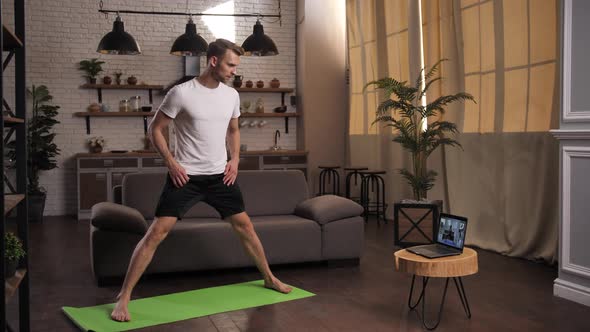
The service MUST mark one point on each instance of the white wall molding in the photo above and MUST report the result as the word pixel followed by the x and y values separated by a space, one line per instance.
pixel 569 115
pixel 563 134
pixel 571 291
pixel 569 152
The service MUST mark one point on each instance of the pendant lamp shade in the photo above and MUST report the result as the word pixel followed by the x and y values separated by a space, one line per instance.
pixel 258 43
pixel 118 41
pixel 190 43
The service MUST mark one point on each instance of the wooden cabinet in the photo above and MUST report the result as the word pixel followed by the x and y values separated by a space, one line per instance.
pixel 92 189
pixel 99 173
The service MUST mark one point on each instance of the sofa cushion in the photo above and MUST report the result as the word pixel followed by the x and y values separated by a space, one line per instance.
pixel 118 218
pixel 142 191
pixel 275 192
pixel 327 208
pixel 289 239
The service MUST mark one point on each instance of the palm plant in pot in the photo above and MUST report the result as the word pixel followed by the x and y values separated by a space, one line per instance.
pixel 403 111
pixel 410 134
pixel 41 148
pixel 92 68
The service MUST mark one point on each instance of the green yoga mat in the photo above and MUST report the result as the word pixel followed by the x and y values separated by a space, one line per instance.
pixel 180 306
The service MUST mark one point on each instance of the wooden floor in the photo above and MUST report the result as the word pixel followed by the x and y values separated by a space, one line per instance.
pixel 506 295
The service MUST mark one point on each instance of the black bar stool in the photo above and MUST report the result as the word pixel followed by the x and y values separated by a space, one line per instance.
pixel 373 194
pixel 329 174
pixel 353 173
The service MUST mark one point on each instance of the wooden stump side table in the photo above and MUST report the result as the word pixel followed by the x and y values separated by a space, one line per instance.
pixel 449 267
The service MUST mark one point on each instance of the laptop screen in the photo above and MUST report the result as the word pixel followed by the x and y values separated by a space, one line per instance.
pixel 451 231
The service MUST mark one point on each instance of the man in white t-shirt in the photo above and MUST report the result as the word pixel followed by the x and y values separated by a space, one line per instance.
pixel 205 112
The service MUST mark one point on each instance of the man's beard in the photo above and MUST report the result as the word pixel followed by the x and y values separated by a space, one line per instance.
pixel 219 78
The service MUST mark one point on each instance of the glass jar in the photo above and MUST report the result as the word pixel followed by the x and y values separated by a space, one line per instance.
pixel 124 105
pixel 134 103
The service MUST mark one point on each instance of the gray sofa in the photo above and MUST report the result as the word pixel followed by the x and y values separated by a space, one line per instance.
pixel 292 226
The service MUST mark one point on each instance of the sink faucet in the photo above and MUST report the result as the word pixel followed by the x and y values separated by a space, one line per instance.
pixel 277 137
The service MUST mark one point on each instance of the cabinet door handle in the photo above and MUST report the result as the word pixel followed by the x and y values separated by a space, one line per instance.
pixel 108 163
pixel 159 162
pixel 285 158
pixel 100 177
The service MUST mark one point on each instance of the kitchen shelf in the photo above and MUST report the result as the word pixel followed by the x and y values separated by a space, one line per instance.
pixel 285 115
pixel 282 91
pixel 100 87
pixel 11 201
pixel 88 115
pixel 11 41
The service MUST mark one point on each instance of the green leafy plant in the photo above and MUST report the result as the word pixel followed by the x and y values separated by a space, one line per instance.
pixel 420 143
pixel 13 247
pixel 41 149
pixel 92 68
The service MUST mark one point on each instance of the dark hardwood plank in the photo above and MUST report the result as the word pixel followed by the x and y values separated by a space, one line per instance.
pixel 507 294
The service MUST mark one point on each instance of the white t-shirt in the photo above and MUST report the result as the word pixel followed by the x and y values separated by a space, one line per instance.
pixel 201 118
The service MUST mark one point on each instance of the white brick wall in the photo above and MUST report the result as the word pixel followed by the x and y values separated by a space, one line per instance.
pixel 60 33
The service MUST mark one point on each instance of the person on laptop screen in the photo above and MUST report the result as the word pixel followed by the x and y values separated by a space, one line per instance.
pixel 451 232
pixel 450 238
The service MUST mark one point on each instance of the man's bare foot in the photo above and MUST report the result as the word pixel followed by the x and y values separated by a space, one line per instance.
pixel 120 312
pixel 277 285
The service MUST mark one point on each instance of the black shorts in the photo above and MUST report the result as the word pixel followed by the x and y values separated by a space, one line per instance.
pixel 175 202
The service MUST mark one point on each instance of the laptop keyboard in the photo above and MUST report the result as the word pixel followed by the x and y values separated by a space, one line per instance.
pixel 436 250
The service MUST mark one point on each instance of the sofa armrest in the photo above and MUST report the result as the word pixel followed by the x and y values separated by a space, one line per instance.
pixel 328 208
pixel 117 217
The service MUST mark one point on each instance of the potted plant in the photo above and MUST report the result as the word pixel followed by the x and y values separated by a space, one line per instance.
pixel 96 144
pixel 403 100
pixel 41 148
pixel 92 68
pixel 13 252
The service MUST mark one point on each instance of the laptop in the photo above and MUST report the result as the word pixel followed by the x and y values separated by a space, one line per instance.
pixel 450 238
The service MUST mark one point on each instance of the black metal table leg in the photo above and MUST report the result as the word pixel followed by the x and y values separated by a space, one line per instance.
pixel 462 296
pixel 422 298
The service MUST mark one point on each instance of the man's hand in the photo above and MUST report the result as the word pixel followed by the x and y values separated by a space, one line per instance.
pixel 231 172
pixel 177 174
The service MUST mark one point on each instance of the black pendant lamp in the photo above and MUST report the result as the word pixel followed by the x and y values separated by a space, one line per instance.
pixel 190 43
pixel 118 41
pixel 258 43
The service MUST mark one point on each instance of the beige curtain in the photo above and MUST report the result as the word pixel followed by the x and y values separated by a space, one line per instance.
pixel 505 53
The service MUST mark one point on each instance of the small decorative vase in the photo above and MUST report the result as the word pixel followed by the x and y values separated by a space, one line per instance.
pixel 275 83
pixel 249 84
pixel 260 84
pixel 107 80
pixel 92 80
pixel 237 81
pixel 96 149
pixel 132 80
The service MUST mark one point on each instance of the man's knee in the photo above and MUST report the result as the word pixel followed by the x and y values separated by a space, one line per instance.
pixel 159 230
pixel 241 222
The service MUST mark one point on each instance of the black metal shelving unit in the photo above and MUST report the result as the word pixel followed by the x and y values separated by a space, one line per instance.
pixel 13 49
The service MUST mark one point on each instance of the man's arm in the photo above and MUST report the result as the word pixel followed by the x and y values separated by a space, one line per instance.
pixel 156 128
pixel 233 140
